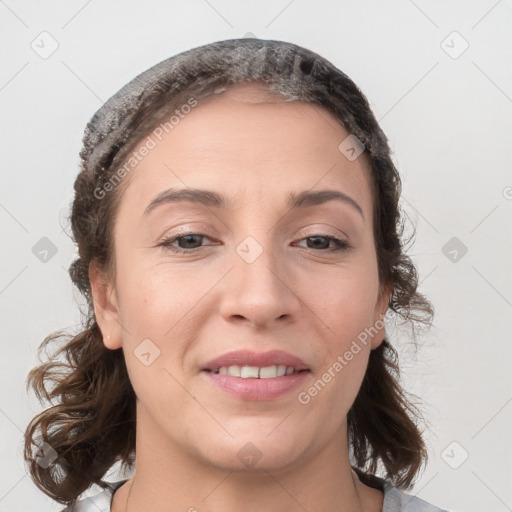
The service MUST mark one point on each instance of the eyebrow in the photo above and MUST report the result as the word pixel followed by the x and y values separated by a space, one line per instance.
pixel 213 199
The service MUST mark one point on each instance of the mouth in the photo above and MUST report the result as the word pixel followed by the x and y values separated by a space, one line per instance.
pixel 255 372
pixel 249 364
pixel 256 376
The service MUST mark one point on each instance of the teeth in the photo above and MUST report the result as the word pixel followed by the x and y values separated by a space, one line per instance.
pixel 234 371
pixel 268 372
pixel 249 372
pixel 254 372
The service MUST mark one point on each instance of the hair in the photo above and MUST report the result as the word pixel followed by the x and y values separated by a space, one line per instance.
pixel 93 422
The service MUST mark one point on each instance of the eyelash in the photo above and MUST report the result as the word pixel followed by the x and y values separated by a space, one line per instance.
pixel 166 243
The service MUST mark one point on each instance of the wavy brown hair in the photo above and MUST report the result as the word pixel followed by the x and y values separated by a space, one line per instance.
pixel 91 421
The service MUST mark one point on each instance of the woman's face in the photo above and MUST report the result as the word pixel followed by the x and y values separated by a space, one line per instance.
pixel 257 275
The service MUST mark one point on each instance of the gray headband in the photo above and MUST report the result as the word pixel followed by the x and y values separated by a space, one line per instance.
pixel 290 71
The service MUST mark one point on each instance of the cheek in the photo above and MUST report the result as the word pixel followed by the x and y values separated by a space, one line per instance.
pixel 158 332
pixel 156 297
pixel 346 309
pixel 161 318
pixel 345 303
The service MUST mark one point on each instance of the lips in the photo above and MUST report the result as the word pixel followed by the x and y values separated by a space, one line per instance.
pixel 256 359
pixel 249 375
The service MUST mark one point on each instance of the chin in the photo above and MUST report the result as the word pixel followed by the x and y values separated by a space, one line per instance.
pixel 254 451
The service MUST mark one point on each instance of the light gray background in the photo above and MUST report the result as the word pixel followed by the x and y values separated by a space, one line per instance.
pixel 449 124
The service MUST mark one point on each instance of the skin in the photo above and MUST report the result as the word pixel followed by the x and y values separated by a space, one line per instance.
pixel 311 302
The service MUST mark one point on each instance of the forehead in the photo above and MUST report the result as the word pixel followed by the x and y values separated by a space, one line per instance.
pixel 247 138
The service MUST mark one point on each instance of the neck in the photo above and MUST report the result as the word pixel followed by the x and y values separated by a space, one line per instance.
pixel 170 479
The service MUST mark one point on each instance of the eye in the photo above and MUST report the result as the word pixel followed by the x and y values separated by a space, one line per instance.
pixel 322 242
pixel 187 242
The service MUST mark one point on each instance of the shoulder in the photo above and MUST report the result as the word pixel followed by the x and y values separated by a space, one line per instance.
pixel 396 500
pixel 100 502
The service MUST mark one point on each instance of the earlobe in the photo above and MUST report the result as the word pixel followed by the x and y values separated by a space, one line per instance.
pixel 105 307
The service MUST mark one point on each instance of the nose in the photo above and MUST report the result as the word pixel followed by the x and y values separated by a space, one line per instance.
pixel 259 293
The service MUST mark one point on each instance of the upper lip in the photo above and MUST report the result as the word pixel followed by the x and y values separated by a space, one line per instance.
pixel 259 359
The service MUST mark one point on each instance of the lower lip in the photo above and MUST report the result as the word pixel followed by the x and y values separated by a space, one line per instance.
pixel 257 389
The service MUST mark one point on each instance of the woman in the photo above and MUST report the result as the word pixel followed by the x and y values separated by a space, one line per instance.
pixel 238 235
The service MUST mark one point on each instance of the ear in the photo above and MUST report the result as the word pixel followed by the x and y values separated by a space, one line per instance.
pixel 105 306
pixel 381 307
